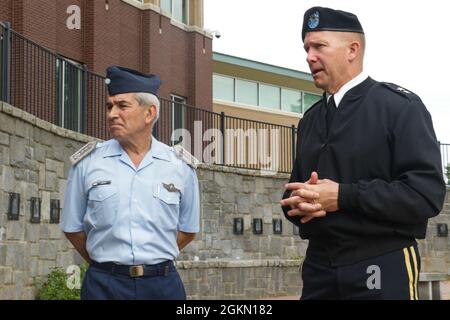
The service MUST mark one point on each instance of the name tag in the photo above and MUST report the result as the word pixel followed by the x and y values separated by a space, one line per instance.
pixel 100 183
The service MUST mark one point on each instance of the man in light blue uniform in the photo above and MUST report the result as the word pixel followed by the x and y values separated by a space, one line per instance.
pixel 131 203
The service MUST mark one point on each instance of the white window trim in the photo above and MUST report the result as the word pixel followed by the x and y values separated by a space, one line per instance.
pixel 258 107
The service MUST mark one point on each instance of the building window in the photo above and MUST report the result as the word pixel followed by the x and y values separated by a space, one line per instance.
pixel 68 75
pixel 309 99
pixel 247 92
pixel 269 96
pixel 262 94
pixel 166 6
pixel 291 100
pixel 179 9
pixel 223 88
pixel 178 113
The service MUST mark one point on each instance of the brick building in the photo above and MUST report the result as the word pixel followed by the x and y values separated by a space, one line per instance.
pixel 164 37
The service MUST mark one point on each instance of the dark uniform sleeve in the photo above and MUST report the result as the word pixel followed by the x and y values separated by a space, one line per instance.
pixel 295 177
pixel 417 189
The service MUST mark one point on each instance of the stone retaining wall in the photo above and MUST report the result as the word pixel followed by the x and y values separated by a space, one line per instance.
pixel 34 163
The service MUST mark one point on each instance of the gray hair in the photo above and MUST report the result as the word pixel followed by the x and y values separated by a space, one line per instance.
pixel 147 99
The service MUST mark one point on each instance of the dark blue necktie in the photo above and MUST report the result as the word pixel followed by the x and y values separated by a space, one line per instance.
pixel 331 110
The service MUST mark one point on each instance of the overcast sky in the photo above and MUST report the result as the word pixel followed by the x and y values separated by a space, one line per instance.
pixel 407 41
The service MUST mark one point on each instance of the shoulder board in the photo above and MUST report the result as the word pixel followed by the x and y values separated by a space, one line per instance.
pixel 83 152
pixel 184 155
pixel 312 107
pixel 401 91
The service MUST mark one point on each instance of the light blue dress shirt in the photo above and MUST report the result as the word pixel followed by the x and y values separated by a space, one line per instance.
pixel 131 215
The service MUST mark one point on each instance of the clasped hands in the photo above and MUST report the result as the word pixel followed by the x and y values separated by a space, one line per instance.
pixel 312 199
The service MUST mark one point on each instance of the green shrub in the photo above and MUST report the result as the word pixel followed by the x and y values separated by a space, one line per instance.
pixel 55 288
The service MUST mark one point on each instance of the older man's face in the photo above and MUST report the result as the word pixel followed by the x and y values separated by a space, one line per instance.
pixel 126 118
pixel 327 59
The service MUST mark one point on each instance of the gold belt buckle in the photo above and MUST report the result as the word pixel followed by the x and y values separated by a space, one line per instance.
pixel 136 271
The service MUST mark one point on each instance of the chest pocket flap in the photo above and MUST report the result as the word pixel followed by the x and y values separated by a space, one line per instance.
pixel 169 197
pixel 102 193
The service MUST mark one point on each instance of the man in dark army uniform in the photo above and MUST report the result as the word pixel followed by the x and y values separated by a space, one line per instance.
pixel 367 175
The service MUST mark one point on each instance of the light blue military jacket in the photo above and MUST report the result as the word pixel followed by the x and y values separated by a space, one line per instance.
pixel 131 216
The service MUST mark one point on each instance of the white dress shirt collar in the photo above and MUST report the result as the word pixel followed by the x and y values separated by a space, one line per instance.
pixel 346 87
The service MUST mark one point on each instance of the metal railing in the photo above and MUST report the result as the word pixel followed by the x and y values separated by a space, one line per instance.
pixel 65 93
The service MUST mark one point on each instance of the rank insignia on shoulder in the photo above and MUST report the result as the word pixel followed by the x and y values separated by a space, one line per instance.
pixel 83 152
pixel 403 90
pixel 184 155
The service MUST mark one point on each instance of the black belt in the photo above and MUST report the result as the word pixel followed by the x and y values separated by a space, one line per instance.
pixel 142 270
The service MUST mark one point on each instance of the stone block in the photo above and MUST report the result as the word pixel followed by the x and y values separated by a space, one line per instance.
pixel 45 206
pixel 20 174
pixel 55 232
pixel 32 176
pixel 22 129
pixel 440 244
pixel 47 139
pixel 259 186
pixel 15 230
pixel 211 197
pixel 7 293
pixel 220 178
pixel 29 118
pixel 247 223
pixel 228 196
pixel 29 189
pixel 44 232
pixel 4 138
pixel 17 256
pixel 227 208
pixel 41 172
pixel 31 164
pixel 61 190
pixel 275 246
pixel 8 123
pixel 39 153
pixel 34 249
pixel 51 181
pixel 430 264
pixel 20 281
pixel 64 259
pixel 6 276
pixel 47 250
pixel 51 165
pixel 28 293
pixel 8 180
pixel 46 266
pixel 210 226
pixel 3 253
pixel 29 152
pixel 17 154
pixel 4 156
pixel 60 169
pixel 32 232
pixel 34 267
pixel 243 204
